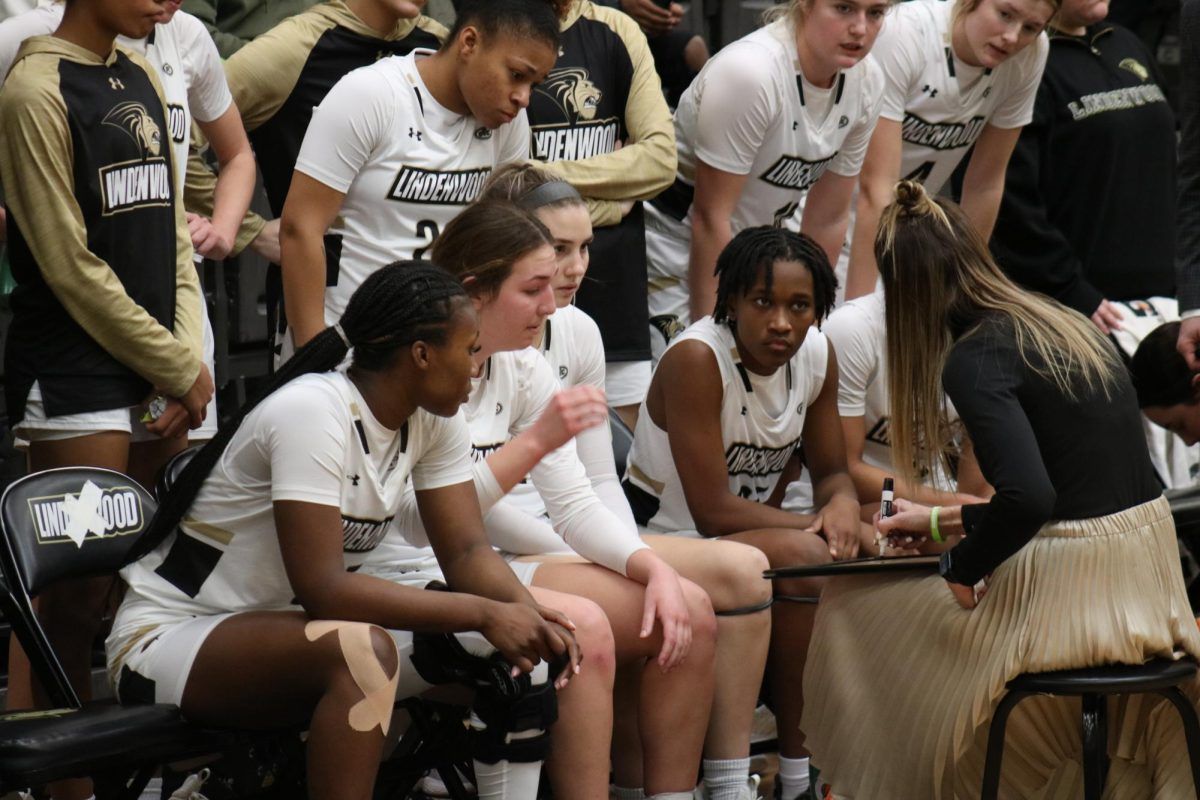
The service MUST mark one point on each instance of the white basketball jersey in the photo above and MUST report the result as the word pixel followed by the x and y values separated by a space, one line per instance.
pixel 762 419
pixel 941 102
pixel 751 112
pixel 316 441
pixel 182 53
pixel 571 345
pixel 857 332
pixel 406 164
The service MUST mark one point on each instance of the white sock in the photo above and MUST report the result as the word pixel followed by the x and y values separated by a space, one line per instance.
pixel 793 775
pixel 725 778
pixel 507 780
pixel 625 793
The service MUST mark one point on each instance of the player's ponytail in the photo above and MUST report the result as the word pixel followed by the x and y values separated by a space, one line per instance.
pixel 521 19
pixel 402 303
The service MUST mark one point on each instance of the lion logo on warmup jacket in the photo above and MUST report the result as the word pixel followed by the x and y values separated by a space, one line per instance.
pixel 573 91
pixel 137 123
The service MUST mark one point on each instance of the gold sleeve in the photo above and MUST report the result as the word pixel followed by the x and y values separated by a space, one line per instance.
pixel 199 188
pixel 646 164
pixel 36 169
pixel 263 74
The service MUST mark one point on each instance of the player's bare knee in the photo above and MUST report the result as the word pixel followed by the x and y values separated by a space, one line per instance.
pixel 742 584
pixel 797 547
pixel 594 634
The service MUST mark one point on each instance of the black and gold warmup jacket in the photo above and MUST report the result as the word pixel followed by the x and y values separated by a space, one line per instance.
pixel 602 123
pixel 107 303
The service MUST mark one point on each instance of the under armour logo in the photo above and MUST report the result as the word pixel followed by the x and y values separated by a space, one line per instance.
pixel 795 126
pixel 499 408
pixel 987 91
pixel 844 121
pixel 414 134
pixel 743 411
pixel 929 90
pixel 353 479
pixel 116 84
pixel 167 68
pixel 562 373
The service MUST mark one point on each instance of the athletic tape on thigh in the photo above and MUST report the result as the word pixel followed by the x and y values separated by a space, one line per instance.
pixel 379 691
pixel 744 610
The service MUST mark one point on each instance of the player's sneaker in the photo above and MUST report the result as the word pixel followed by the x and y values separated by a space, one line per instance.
pixel 432 785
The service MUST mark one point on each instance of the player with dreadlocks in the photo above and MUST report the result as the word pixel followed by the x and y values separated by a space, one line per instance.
pixel 230 614
pixel 719 435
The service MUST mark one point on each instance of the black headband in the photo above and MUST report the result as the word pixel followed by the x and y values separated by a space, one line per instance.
pixel 547 193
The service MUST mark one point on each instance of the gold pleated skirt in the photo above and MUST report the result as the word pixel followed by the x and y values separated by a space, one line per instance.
pixel 901 682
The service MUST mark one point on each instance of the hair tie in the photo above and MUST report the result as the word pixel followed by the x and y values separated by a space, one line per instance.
pixel 552 192
pixel 337 327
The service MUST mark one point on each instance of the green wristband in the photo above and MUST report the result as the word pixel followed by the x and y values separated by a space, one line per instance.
pixel 934 532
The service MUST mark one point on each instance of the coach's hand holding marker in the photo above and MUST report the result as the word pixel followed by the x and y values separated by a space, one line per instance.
pixel 886 509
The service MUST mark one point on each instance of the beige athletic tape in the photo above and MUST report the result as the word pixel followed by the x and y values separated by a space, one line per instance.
pixel 379 691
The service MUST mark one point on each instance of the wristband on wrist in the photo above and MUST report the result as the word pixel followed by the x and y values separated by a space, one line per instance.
pixel 934 532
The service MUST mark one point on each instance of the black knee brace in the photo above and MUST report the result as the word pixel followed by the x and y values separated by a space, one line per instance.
pixel 510 728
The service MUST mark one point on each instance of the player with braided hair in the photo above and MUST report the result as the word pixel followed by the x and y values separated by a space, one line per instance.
pixel 718 440
pixel 244 612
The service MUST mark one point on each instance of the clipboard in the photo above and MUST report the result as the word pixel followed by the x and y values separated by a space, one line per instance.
pixel 880 565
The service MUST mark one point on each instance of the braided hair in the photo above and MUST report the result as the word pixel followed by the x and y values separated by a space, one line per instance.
pixel 754 251
pixel 521 19
pixel 404 302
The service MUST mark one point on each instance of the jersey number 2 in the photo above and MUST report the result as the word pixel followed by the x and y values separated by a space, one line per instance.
pixel 427 229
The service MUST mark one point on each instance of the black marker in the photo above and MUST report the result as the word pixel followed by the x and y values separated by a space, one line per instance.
pixel 886 509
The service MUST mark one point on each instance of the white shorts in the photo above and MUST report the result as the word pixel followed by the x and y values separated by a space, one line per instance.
pixel 668 243
pixel 421 572
pixel 156 667
pixel 626 382
pixel 37 427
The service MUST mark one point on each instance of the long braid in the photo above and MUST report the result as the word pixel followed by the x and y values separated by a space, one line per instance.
pixel 755 250
pixel 395 306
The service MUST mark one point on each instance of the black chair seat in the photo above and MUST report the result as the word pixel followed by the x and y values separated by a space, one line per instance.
pixel 1116 679
pixel 38 746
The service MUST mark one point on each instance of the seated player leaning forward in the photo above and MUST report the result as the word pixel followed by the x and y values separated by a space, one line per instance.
pixel 731 573
pixel 1168 392
pixel 719 436
pixel 244 613
pixel 1078 542
pixel 660 622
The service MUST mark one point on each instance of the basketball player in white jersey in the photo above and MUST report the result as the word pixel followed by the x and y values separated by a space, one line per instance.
pixel 957 74
pixel 730 573
pixel 660 622
pixel 244 612
pixel 188 67
pixel 779 116
pixel 718 439
pixel 856 331
pixel 398 148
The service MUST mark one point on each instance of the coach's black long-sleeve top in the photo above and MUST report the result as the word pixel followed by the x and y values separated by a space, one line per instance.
pixel 1188 253
pixel 1048 457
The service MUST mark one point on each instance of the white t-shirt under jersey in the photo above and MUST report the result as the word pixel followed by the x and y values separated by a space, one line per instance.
pixel 315 441
pixel 406 164
pixel 942 103
pixel 573 347
pixel 762 419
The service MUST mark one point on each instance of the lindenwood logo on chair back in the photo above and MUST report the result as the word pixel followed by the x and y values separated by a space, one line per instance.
pixel 93 513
